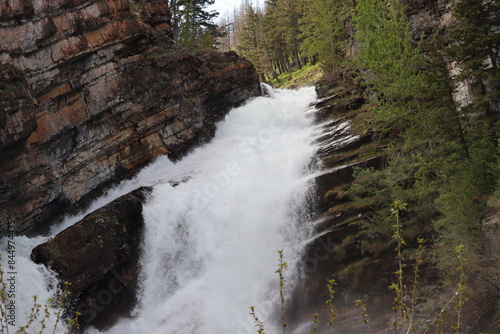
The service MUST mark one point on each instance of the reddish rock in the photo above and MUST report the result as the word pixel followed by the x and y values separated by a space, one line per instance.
pixel 105 91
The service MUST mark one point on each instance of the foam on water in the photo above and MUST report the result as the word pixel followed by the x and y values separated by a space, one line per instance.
pixel 210 243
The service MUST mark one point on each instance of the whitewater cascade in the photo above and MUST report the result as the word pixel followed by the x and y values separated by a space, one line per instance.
pixel 210 242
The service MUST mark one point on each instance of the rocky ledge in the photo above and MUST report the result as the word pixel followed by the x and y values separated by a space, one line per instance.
pixel 364 262
pixel 92 90
pixel 361 265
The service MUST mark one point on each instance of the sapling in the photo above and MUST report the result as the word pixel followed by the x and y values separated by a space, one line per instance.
pixel 282 265
pixel 315 323
pixel 416 266
pixel 460 286
pixel 259 324
pixel 398 286
pixel 35 312
pixel 58 304
pixel 61 304
pixel 329 302
pixel 401 309
pixel 363 313
pixel 458 296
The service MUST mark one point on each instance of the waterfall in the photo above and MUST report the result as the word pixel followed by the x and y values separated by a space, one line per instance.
pixel 210 244
pixel 266 90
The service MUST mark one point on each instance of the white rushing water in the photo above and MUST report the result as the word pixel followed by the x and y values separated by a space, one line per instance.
pixel 210 243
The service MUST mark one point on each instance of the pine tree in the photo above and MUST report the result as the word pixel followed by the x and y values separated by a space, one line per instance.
pixel 195 25
pixel 384 35
pixel 474 43
pixel 274 37
pixel 250 35
pixel 475 39
pixel 444 157
pixel 290 14
pixel 323 31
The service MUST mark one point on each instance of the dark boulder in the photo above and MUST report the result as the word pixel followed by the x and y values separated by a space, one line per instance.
pixel 99 256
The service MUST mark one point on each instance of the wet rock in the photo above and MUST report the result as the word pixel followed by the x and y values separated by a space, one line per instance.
pixel 99 256
pixel 360 263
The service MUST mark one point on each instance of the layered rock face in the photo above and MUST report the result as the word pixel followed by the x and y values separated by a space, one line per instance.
pixel 95 89
pixel 363 263
pixel 362 266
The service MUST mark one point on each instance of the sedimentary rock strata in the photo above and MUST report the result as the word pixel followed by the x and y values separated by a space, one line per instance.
pixel 95 89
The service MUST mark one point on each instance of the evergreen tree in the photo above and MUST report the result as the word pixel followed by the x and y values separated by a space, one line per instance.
pixel 195 27
pixel 275 38
pixel 323 31
pixel 475 39
pixel 386 50
pixel 473 46
pixel 474 43
pixel 290 13
pixel 443 158
pixel 251 37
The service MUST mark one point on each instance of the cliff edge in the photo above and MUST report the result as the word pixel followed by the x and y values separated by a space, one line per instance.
pixel 91 91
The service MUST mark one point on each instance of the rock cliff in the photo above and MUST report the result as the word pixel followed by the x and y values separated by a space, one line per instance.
pixel 91 91
pixel 361 265
pixel 362 262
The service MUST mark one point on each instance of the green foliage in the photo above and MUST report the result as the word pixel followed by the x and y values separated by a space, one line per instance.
pixel 134 7
pixel 273 37
pixel 282 266
pixel 288 34
pixel 323 31
pixel 53 250
pixel 405 301
pixel 315 323
pixel 442 159
pixel 329 303
pixel 377 190
pixel 194 26
pixel 474 38
pixel 53 308
pixel 16 80
pixel 308 75
pixel 363 313
pixel 455 302
pixel 393 63
pixel 14 87
pixel 404 312
pixel 461 286
pixel 259 324
pixel 399 287
pixel 253 41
